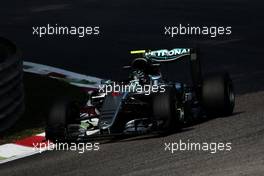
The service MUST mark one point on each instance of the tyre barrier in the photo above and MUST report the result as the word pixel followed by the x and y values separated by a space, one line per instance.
pixel 11 84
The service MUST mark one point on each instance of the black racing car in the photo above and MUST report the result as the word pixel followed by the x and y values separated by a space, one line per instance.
pixel 145 102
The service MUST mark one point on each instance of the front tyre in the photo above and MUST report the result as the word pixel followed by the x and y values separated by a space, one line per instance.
pixel 164 110
pixel 218 97
pixel 61 114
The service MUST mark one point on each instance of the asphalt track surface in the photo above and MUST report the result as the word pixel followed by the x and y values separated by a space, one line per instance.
pixel 136 25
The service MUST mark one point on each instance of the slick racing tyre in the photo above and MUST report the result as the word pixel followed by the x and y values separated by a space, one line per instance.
pixel 11 85
pixel 164 110
pixel 62 113
pixel 218 96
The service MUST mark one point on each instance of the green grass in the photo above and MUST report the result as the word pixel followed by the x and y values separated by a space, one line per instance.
pixel 1 158
pixel 40 93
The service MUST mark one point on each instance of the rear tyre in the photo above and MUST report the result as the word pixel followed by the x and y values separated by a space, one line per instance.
pixel 218 96
pixel 62 113
pixel 164 110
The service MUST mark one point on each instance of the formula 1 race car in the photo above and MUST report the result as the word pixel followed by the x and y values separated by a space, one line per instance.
pixel 145 102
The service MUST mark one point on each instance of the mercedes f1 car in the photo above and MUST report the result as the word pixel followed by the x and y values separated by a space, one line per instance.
pixel 132 109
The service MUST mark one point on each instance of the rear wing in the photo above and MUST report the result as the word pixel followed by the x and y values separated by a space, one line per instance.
pixel 164 55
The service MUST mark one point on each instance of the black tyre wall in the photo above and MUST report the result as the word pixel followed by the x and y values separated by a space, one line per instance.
pixel 11 84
